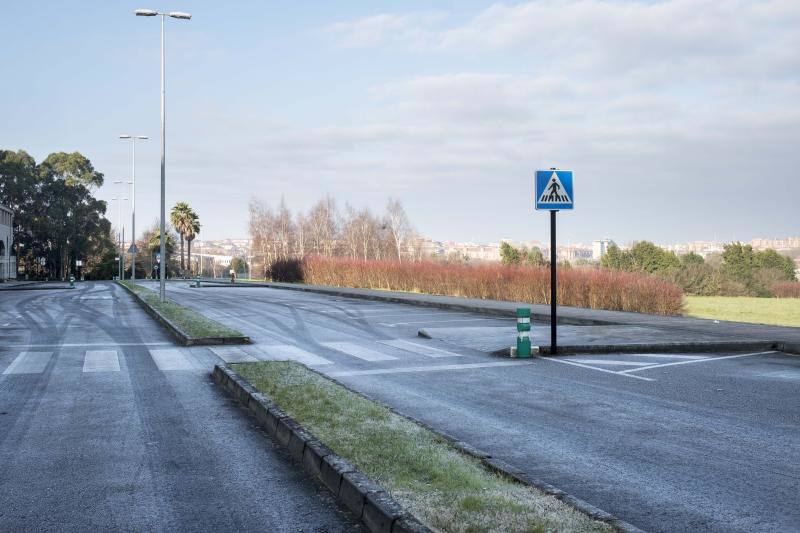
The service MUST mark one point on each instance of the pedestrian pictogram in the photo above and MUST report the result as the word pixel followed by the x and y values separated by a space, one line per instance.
pixel 554 189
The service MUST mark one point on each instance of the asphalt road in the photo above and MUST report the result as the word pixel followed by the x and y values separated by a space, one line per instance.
pixel 667 442
pixel 106 424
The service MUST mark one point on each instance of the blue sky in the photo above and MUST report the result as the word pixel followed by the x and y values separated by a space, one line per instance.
pixel 680 118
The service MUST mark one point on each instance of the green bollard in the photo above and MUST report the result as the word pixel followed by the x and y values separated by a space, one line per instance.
pixel 197 281
pixel 523 332
pixel 71 281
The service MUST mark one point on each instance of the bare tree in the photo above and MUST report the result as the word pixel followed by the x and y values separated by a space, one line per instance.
pixel 323 227
pixel 301 230
pixel 283 231
pixel 398 225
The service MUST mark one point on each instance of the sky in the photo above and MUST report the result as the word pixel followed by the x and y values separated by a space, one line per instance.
pixel 679 118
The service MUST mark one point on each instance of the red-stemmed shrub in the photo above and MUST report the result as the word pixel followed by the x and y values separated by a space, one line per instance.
pixel 787 289
pixel 589 287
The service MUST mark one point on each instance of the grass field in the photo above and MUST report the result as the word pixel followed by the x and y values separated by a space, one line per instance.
pixel 775 311
pixel 423 472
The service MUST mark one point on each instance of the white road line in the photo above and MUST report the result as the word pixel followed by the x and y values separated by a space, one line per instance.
pixel 610 362
pixel 429 368
pixel 564 361
pixel 170 360
pixel 90 344
pixel 358 351
pixel 101 361
pixel 695 361
pixel 287 351
pixel 434 321
pixel 419 348
pixel 29 363
pixel 669 356
pixel 233 354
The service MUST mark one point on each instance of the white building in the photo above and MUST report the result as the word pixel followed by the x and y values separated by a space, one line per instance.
pixel 600 247
pixel 8 263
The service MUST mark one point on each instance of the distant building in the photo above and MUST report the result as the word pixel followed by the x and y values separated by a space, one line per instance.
pixel 600 247
pixel 8 263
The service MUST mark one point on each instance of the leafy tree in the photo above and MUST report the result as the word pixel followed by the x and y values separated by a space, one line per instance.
pixel 509 255
pixel 651 259
pixel 770 259
pixel 692 259
pixel 617 259
pixel 239 265
pixel 738 261
pixel 534 257
pixel 192 229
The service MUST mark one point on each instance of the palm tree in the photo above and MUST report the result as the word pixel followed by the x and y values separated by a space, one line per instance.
pixel 180 217
pixel 192 229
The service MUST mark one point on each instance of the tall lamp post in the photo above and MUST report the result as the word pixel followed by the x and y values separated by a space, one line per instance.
pixel 133 139
pixel 162 269
pixel 120 236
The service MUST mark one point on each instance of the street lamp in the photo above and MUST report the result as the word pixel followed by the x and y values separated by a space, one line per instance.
pixel 162 271
pixel 120 236
pixel 122 255
pixel 133 139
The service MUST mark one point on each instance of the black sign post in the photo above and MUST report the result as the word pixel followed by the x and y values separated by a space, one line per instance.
pixel 553 286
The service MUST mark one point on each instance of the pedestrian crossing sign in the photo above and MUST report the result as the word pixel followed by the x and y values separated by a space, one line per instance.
pixel 554 190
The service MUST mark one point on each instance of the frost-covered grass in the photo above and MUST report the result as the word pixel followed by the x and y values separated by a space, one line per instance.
pixel 442 487
pixel 192 323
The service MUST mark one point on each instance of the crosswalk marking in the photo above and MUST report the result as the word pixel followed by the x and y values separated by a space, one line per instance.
pixel 29 363
pixel 233 354
pixel 170 360
pixel 419 348
pixel 287 351
pixel 101 361
pixel 358 351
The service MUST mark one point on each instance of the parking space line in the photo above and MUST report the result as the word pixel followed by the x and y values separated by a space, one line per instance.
pixel 358 351
pixel 429 368
pixel 610 362
pixel 573 363
pixel 101 361
pixel 414 347
pixel 705 359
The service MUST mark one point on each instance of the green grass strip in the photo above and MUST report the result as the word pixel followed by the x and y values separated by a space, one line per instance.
pixel 192 323
pixel 774 311
pixel 441 486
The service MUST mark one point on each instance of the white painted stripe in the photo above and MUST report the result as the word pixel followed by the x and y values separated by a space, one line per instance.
pixel 233 354
pixel 573 363
pixel 90 344
pixel 429 368
pixel 696 361
pixel 524 320
pixel 668 356
pixel 610 362
pixel 101 361
pixel 282 352
pixel 29 363
pixel 358 351
pixel 170 360
pixel 419 348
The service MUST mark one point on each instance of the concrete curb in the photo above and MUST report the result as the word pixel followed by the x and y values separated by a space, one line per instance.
pixel 336 474
pixel 28 287
pixel 666 347
pixel 348 292
pixel 379 512
pixel 177 332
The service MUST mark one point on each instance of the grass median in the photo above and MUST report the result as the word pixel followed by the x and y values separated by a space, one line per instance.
pixel 774 311
pixel 423 472
pixel 192 323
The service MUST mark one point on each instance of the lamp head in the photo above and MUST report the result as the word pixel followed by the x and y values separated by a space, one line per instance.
pixel 145 13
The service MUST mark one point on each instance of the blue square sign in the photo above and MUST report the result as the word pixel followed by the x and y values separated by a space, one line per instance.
pixel 554 190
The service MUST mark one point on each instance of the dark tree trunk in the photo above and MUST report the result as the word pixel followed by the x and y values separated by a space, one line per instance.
pixel 183 266
pixel 189 254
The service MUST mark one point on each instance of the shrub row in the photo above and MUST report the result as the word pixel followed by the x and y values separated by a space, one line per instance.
pixel 787 289
pixel 593 288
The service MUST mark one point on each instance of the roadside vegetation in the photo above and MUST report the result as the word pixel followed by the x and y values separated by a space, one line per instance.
pixel 192 323
pixel 424 473
pixel 773 311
